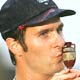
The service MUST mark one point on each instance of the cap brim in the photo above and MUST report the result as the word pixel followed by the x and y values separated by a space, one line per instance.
pixel 51 13
pixel 44 16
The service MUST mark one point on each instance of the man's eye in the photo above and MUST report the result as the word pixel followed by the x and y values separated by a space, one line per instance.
pixel 44 33
pixel 59 30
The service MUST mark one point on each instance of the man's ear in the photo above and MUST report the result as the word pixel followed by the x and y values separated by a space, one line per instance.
pixel 14 46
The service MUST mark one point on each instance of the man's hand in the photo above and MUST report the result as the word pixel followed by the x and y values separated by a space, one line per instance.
pixel 67 74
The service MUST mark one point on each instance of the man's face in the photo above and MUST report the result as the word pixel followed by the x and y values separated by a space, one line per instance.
pixel 45 44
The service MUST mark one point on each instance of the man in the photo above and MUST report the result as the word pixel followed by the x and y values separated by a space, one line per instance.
pixel 32 30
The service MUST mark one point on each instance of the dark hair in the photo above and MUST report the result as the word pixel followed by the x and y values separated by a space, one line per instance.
pixel 17 35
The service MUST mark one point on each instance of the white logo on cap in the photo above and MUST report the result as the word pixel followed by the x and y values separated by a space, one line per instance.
pixel 43 1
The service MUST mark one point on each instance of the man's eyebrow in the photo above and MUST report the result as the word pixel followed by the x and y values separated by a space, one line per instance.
pixel 44 30
pixel 60 27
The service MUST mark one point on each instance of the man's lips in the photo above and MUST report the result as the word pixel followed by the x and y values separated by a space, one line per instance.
pixel 58 58
pixel 59 54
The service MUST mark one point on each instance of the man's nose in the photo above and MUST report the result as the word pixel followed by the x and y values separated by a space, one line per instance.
pixel 59 40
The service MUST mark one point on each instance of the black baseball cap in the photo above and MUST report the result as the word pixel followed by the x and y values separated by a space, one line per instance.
pixel 18 12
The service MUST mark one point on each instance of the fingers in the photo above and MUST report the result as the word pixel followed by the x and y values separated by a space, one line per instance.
pixel 72 70
pixel 62 76
pixel 63 72
pixel 77 78
pixel 68 74
pixel 75 71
